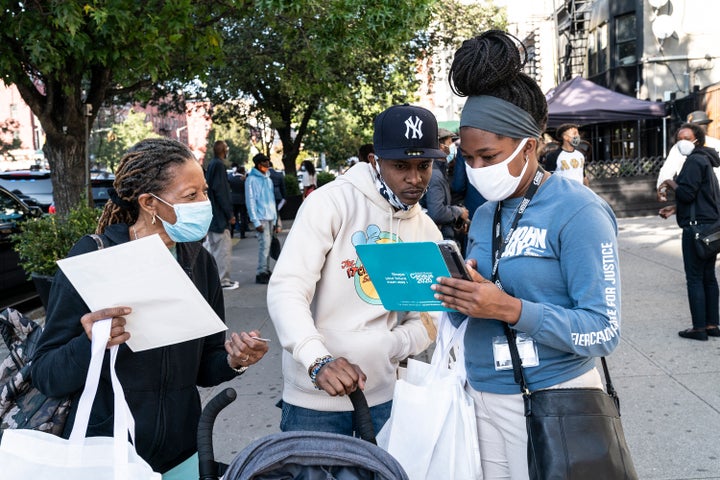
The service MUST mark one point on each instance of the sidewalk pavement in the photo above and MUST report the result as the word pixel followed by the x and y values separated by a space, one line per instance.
pixel 669 387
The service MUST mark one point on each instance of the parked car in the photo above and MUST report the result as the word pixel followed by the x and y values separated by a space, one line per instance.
pixel 30 184
pixel 35 187
pixel 14 284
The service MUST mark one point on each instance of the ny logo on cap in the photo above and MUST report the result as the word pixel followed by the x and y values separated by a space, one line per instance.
pixel 414 126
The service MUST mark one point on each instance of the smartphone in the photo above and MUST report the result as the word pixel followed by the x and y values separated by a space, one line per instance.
pixel 453 259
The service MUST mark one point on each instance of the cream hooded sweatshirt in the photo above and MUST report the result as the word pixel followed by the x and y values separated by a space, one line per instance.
pixel 322 302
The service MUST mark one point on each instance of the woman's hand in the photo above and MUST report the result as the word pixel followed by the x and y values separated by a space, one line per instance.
pixel 479 298
pixel 118 334
pixel 244 349
pixel 340 377
pixel 666 212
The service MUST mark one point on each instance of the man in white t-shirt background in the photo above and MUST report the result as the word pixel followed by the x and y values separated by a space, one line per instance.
pixel 675 160
pixel 567 161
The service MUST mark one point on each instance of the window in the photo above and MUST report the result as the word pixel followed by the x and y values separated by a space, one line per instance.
pixel 625 39
pixel 598 50
pixel 602 48
pixel 623 142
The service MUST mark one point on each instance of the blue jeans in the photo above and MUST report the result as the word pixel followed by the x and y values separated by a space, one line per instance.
pixel 702 284
pixel 299 418
pixel 264 238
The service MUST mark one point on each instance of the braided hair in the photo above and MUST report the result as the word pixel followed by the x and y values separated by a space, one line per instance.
pixel 147 167
pixel 491 64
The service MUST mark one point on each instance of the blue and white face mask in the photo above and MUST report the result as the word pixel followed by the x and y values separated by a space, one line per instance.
pixel 192 220
pixel 453 153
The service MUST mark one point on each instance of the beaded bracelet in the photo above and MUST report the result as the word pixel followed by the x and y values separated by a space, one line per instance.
pixel 316 366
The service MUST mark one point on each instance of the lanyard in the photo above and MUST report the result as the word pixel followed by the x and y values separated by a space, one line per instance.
pixel 499 243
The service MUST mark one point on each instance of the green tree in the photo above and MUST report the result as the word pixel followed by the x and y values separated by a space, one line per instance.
pixel 338 129
pixel 338 133
pixel 113 143
pixel 68 57
pixel 289 58
pixel 454 21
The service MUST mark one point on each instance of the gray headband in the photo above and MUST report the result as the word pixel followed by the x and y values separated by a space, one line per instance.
pixel 495 115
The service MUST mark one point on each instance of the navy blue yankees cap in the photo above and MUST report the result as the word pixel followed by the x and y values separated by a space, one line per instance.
pixel 403 132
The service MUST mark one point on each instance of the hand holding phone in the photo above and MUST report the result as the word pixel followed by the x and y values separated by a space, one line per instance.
pixel 454 260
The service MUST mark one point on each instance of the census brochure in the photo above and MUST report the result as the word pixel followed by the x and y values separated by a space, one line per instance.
pixel 167 308
pixel 402 274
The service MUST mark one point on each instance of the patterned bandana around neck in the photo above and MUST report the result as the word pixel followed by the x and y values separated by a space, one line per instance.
pixel 386 192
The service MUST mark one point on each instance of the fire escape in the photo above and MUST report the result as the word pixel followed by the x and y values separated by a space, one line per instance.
pixel 572 18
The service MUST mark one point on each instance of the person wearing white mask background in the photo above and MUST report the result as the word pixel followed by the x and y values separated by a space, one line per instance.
pixel 675 159
pixel 567 161
pixel 696 188
pixel 555 283
pixel 438 198
pixel 159 189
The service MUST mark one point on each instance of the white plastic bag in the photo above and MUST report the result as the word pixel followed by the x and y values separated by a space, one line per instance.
pixel 432 429
pixel 34 454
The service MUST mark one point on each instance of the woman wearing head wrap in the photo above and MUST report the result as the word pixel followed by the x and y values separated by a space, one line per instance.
pixel 542 253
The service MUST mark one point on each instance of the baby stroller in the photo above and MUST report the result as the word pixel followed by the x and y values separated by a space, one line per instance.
pixel 300 455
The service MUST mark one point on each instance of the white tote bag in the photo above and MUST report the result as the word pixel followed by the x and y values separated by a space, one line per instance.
pixel 432 429
pixel 34 454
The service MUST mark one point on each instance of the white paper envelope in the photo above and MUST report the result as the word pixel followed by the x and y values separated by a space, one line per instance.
pixel 143 275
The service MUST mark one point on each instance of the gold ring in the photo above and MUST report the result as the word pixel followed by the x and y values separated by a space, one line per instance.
pixel 247 357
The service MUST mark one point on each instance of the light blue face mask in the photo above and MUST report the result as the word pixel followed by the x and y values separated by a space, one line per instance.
pixel 192 220
pixel 453 153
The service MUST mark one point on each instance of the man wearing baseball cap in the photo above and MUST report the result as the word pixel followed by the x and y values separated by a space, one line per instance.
pixel 336 335
pixel 675 160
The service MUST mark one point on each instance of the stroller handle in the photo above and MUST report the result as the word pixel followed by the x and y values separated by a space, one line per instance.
pixel 361 416
pixel 207 467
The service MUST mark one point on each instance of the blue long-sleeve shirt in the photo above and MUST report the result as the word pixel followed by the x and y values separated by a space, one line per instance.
pixel 260 197
pixel 562 262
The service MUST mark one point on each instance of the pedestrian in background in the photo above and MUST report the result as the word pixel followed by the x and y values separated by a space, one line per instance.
pixel 236 179
pixel 567 161
pixel 159 189
pixel 366 153
pixel 438 199
pixel 542 254
pixel 218 241
pixel 308 177
pixel 278 179
pixel 675 159
pixel 335 333
pixel 696 187
pixel 262 210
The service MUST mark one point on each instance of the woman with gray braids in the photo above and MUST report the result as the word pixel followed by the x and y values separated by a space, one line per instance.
pixel 542 253
pixel 159 189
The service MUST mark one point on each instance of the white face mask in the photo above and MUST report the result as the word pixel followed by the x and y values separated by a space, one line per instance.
pixel 495 182
pixel 685 147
